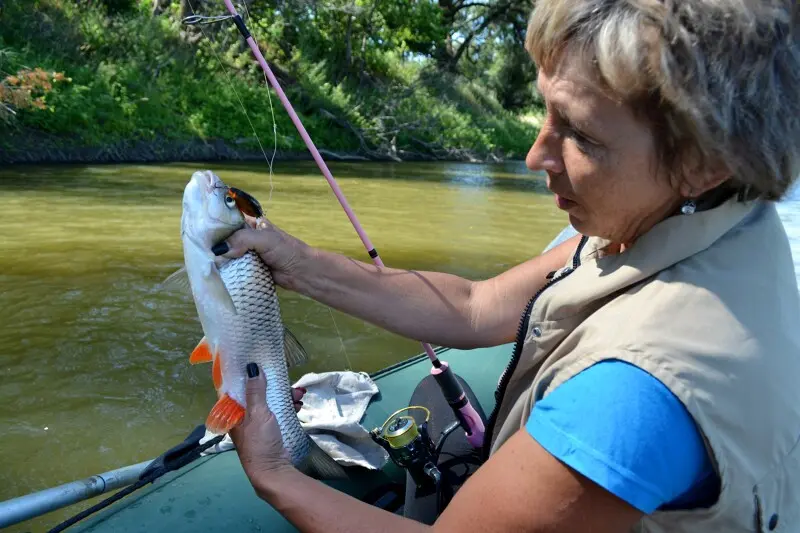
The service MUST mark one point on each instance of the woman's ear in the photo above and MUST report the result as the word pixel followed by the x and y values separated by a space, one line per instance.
pixel 698 181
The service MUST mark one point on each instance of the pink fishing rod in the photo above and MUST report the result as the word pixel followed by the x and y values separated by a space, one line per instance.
pixel 467 415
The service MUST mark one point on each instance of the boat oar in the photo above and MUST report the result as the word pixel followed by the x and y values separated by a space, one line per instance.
pixel 173 459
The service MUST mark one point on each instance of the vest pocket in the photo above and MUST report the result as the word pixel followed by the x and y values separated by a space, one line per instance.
pixel 777 497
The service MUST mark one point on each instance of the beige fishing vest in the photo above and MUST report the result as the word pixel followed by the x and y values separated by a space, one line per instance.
pixel 708 304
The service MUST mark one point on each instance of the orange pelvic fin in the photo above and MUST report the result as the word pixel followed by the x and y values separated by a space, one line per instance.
pixel 225 415
pixel 202 353
pixel 216 373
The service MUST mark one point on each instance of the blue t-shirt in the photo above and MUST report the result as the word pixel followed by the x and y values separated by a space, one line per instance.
pixel 623 429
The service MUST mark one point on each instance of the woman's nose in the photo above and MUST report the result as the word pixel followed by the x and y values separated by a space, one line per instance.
pixel 545 154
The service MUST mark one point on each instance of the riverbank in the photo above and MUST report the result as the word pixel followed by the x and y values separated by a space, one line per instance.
pixel 39 148
pixel 138 85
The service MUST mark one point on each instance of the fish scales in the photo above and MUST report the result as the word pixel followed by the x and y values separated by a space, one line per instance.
pixel 258 336
pixel 238 308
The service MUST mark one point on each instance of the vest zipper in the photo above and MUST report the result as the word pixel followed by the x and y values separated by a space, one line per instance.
pixel 520 341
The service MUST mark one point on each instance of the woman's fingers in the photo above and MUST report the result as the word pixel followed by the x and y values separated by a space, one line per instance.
pixel 256 386
pixel 251 221
pixel 298 393
pixel 237 244
pixel 297 397
pixel 258 438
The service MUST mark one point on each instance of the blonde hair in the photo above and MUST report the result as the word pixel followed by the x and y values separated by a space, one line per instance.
pixel 718 79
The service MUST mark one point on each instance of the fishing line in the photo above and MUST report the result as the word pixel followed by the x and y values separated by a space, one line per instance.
pixel 272 112
pixel 274 122
pixel 470 419
pixel 203 19
pixel 341 340
pixel 200 21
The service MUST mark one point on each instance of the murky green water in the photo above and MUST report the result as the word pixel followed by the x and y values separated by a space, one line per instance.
pixel 94 359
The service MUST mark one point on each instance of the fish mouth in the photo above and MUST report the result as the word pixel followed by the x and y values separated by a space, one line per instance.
pixel 245 202
pixel 207 180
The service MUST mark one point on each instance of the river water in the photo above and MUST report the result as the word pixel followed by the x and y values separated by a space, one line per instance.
pixel 94 356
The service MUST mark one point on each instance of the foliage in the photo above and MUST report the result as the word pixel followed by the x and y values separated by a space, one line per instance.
pixel 27 89
pixel 118 6
pixel 364 75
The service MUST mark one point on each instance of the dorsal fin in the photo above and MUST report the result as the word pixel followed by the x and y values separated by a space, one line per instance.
pixel 292 349
pixel 178 280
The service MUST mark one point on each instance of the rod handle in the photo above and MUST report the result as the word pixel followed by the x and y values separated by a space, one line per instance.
pixel 466 414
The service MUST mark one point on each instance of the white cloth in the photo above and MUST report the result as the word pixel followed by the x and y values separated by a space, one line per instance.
pixel 333 406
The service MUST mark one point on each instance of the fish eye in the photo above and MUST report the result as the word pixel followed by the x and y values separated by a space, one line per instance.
pixel 230 202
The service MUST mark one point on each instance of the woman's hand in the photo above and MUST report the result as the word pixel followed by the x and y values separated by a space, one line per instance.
pixel 279 250
pixel 258 438
pixel 297 398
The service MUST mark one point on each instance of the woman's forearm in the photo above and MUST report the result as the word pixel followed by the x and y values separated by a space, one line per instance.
pixel 427 306
pixel 312 506
pixel 433 307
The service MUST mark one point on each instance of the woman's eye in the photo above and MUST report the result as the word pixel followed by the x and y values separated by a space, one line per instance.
pixel 230 202
pixel 582 142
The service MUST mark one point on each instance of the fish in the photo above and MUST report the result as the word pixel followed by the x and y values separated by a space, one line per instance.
pixel 238 308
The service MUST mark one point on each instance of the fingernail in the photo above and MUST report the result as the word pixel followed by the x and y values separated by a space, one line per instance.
pixel 252 370
pixel 302 389
pixel 221 248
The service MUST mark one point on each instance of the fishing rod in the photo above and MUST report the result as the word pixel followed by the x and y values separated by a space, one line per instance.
pixel 453 392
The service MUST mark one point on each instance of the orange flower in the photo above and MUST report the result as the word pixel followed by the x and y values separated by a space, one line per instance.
pixel 12 80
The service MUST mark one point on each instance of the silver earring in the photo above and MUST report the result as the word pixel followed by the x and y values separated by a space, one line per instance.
pixel 688 207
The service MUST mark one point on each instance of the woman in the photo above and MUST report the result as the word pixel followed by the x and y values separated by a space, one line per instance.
pixel 654 383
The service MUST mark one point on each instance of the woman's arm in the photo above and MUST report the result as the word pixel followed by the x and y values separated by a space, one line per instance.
pixel 312 506
pixel 428 306
pixel 520 488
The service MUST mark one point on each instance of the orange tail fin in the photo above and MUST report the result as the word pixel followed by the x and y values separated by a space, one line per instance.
pixel 225 414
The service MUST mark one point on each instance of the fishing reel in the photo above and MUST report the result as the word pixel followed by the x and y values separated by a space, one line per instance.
pixel 409 445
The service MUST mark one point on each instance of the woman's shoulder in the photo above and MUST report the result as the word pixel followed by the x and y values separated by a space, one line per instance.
pixel 730 309
pixel 757 244
pixel 743 281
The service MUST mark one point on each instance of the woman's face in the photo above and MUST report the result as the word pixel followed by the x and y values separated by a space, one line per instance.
pixel 600 159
